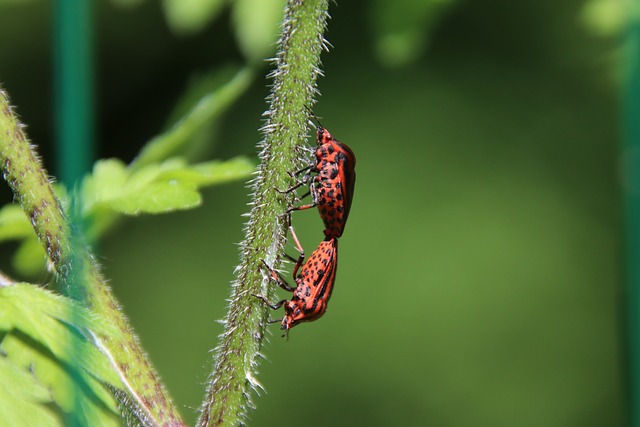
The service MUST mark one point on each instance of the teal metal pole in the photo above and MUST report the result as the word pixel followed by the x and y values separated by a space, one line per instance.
pixel 631 133
pixel 74 112
pixel 74 121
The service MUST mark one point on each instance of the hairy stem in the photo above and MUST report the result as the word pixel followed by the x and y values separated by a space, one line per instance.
pixel 79 274
pixel 228 395
pixel 30 185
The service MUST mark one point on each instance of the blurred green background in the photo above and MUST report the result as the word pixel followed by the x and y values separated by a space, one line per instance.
pixel 479 280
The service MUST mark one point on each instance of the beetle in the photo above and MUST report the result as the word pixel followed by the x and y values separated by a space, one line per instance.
pixel 314 284
pixel 332 187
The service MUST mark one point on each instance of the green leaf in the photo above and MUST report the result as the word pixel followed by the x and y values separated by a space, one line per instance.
pixel 169 186
pixel 190 16
pixel 58 323
pixel 14 224
pixel 24 401
pixel 158 197
pixel 53 338
pixel 81 397
pixel 153 189
pixel 606 18
pixel 256 24
pixel 104 184
pixel 114 189
pixel 30 257
pixel 220 172
pixel 201 115
pixel 199 87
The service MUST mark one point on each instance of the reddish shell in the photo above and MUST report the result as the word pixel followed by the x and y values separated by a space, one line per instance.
pixel 332 188
pixel 315 285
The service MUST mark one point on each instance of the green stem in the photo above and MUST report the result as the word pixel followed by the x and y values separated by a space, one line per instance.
pixel 145 395
pixel 208 109
pixel 30 185
pixel 300 45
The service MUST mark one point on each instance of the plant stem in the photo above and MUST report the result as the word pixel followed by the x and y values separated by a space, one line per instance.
pixel 80 276
pixel 208 109
pixel 228 395
pixel 30 185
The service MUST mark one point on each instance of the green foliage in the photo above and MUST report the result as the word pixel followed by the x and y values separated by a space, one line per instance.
pixel 159 188
pixel 294 88
pixel 402 28
pixel 45 382
pixel 156 182
pixel 255 21
pixel 113 190
pixel 488 173
pixel 256 26
pixel 189 16
pixel 24 400
pixel 30 257
pixel 76 365
pixel 198 110
pixel 14 223
pixel 606 18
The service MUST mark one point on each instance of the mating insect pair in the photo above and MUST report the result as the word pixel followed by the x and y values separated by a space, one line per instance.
pixel 331 190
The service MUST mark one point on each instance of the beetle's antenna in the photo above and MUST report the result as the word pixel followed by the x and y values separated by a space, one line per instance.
pixel 314 116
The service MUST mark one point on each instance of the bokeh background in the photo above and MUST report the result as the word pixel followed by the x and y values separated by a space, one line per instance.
pixel 479 280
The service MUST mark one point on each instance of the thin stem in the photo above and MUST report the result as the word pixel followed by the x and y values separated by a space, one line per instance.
pixel 300 45
pixel 80 276
pixel 30 185
pixel 207 110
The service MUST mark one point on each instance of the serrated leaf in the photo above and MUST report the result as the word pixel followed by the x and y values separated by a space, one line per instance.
pixel 46 334
pixel 144 191
pixel 158 197
pixel 29 355
pixel 158 188
pixel 190 16
pixel 58 323
pixel 14 224
pixel 105 183
pixel 158 172
pixel 74 393
pixel 23 400
pixel 218 172
pixel 256 26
